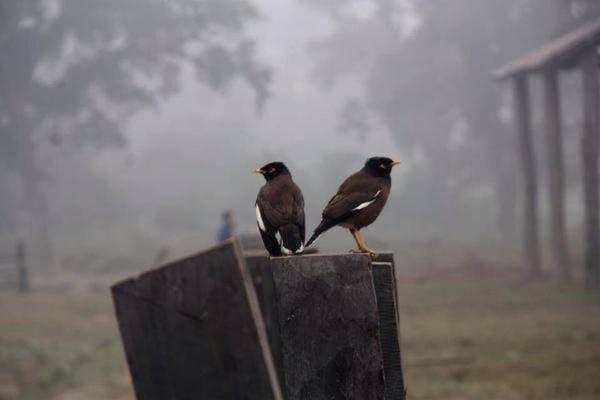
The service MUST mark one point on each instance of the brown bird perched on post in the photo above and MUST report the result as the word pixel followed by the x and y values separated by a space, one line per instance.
pixel 358 201
pixel 280 211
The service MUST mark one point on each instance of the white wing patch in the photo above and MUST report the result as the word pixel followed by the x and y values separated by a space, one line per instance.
pixel 288 252
pixel 367 203
pixel 261 224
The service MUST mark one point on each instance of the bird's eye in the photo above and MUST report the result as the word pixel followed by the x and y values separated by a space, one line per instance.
pixel 382 166
pixel 272 170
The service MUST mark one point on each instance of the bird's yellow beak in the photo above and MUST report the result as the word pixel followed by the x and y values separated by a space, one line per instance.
pixel 259 171
pixel 395 162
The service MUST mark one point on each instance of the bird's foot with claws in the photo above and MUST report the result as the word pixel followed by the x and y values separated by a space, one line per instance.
pixel 371 253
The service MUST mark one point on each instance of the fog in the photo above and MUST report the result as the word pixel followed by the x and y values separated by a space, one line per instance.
pixel 156 149
pixel 128 127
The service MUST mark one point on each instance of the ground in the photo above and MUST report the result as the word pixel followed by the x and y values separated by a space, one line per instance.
pixel 500 341
pixel 461 339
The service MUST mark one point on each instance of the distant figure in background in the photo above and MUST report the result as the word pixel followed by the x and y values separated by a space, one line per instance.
pixel 227 229
pixel 161 256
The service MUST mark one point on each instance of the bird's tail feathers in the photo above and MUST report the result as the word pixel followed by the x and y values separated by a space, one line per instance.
pixel 323 226
pixel 291 240
pixel 313 238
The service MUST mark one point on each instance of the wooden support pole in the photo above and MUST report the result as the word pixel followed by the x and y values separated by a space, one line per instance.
pixel 556 174
pixel 589 150
pixel 22 273
pixel 338 328
pixel 530 190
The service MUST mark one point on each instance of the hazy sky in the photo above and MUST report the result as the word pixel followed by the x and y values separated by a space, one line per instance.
pixel 190 156
pixel 198 134
pixel 300 120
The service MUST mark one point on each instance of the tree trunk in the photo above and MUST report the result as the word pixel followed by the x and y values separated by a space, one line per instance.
pixel 556 174
pixel 589 150
pixel 38 221
pixel 33 200
pixel 530 191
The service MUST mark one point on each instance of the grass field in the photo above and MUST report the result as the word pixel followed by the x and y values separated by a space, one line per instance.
pixel 465 339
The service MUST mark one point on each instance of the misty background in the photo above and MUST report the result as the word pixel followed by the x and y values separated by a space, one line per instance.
pixel 126 126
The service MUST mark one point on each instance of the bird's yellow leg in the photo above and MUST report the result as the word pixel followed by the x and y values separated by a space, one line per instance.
pixel 362 247
pixel 354 233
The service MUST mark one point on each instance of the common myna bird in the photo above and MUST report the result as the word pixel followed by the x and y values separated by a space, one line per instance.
pixel 280 211
pixel 358 201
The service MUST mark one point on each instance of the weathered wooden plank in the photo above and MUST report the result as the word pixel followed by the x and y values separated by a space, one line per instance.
pixel 139 323
pixel 388 257
pixel 262 277
pixel 561 51
pixel 193 330
pixel 385 290
pixel 329 327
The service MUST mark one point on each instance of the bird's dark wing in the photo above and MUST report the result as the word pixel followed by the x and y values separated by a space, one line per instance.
pixel 354 194
pixel 298 212
pixel 272 216
pixel 271 243
pixel 280 209
pixel 285 207
pixel 302 225
pixel 266 228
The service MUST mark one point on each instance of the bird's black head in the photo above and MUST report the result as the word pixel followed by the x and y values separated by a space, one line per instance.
pixel 380 166
pixel 272 170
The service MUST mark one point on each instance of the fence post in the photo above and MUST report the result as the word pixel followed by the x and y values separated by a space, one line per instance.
pixel 22 272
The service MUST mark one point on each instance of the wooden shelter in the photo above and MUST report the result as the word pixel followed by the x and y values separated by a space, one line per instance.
pixel 575 50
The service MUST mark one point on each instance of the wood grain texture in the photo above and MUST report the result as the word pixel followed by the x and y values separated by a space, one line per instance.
pixel 385 290
pixel 329 327
pixel 192 330
pixel 259 266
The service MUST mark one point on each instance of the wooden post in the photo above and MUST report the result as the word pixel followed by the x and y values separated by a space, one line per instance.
pixel 556 174
pixel 338 328
pixel 22 273
pixel 384 281
pixel 530 190
pixel 193 329
pixel 589 150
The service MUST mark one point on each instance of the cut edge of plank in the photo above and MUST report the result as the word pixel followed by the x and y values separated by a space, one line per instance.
pixel 261 329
